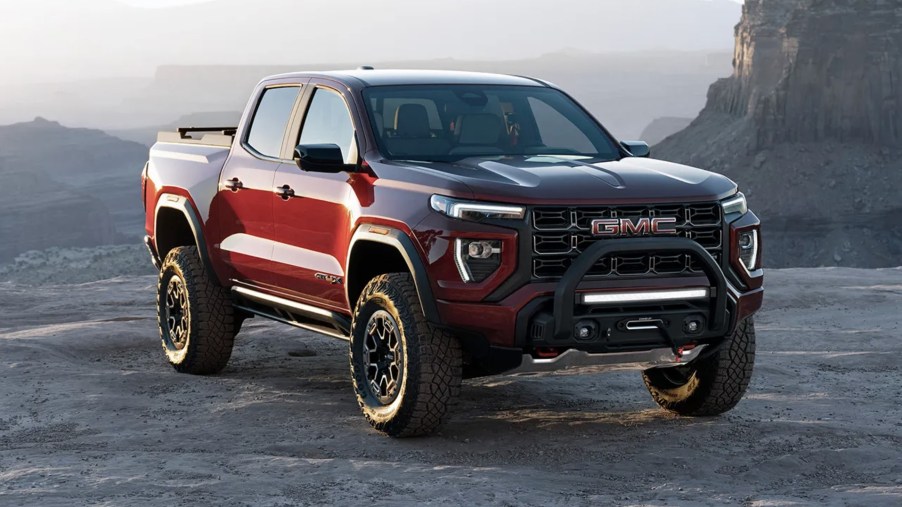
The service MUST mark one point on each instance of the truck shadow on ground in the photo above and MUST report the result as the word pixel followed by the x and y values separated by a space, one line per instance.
pixel 485 406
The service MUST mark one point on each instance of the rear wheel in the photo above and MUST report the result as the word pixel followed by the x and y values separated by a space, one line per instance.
pixel 406 372
pixel 710 385
pixel 196 319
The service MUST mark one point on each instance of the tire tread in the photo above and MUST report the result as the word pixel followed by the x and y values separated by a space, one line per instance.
pixel 433 370
pixel 212 332
pixel 722 378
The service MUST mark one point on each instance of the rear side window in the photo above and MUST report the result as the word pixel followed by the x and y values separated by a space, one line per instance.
pixel 328 121
pixel 271 120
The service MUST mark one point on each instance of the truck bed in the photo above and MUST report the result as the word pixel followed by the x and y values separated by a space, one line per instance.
pixel 180 160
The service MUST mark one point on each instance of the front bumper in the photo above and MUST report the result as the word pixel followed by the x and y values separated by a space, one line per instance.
pixel 545 318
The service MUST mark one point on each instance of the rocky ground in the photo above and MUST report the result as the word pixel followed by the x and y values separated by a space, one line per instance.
pixel 90 413
pixel 77 265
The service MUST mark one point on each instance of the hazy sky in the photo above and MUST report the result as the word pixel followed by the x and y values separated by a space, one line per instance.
pixel 54 40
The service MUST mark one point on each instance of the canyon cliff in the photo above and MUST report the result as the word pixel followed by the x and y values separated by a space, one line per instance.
pixel 810 126
pixel 67 187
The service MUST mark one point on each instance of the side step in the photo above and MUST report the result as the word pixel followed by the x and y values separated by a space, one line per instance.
pixel 297 314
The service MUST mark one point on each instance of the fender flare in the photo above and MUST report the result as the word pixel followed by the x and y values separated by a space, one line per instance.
pixel 404 245
pixel 182 204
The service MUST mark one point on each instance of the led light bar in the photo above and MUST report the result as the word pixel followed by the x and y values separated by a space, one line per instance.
pixel 599 298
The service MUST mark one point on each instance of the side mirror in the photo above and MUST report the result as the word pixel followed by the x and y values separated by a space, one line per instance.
pixel 636 148
pixel 322 158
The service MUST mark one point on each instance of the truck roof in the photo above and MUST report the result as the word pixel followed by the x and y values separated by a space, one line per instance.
pixel 372 77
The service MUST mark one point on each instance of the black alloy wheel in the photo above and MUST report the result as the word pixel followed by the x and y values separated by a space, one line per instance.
pixel 177 313
pixel 384 356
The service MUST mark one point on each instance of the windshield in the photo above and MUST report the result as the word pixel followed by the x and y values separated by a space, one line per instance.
pixel 451 122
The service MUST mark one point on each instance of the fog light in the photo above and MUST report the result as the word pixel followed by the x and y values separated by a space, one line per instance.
pixel 748 249
pixel 482 249
pixel 585 330
pixel 476 259
pixel 693 324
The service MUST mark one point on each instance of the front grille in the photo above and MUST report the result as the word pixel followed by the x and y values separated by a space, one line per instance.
pixel 560 234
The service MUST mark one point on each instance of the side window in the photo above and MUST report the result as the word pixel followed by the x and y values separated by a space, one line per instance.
pixel 271 120
pixel 557 131
pixel 328 121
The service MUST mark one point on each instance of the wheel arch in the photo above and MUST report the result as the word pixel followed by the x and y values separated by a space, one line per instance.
pixel 378 250
pixel 177 224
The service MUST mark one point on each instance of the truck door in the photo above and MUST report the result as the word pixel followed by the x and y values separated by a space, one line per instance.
pixel 243 207
pixel 313 214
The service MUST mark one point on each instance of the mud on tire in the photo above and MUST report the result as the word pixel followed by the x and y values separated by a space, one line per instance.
pixel 195 315
pixel 710 385
pixel 404 382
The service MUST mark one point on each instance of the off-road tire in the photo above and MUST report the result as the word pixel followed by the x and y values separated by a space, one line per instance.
pixel 207 346
pixel 714 383
pixel 432 361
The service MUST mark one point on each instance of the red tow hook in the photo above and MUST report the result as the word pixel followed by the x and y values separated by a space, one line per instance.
pixel 547 352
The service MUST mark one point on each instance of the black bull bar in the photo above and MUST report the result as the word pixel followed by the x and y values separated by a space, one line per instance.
pixel 565 293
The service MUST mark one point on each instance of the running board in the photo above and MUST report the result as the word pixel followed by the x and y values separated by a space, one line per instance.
pixel 297 314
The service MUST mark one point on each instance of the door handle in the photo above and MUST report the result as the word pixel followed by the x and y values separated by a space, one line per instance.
pixel 233 184
pixel 285 192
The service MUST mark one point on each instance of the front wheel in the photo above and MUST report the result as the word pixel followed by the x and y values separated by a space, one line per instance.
pixel 406 372
pixel 710 385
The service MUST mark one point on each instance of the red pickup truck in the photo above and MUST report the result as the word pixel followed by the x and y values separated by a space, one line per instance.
pixel 450 225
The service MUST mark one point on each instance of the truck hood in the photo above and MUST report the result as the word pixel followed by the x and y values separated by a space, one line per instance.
pixel 560 179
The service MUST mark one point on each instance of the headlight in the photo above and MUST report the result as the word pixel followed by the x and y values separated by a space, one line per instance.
pixel 476 211
pixel 476 259
pixel 748 249
pixel 735 204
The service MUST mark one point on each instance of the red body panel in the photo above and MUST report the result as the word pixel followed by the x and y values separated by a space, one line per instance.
pixel 313 229
pixel 236 216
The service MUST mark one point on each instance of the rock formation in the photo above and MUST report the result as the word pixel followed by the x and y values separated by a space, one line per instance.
pixel 37 212
pixel 814 70
pixel 65 187
pixel 810 126
pixel 85 162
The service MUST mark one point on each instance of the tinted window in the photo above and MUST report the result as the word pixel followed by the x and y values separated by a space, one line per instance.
pixel 271 120
pixel 329 122
pixel 555 130
pixel 390 112
pixel 450 122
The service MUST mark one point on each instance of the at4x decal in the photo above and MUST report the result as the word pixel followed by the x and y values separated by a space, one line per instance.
pixel 333 279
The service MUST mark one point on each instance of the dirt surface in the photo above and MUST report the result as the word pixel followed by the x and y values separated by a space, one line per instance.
pixel 90 413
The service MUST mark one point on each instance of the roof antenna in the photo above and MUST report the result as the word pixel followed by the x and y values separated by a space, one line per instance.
pixel 366 67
